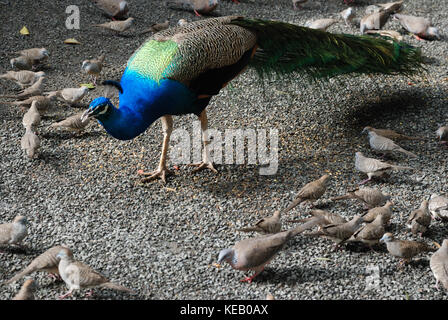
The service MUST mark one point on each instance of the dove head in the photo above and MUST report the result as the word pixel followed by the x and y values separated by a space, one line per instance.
pixel 324 178
pixel 123 5
pixel 21 220
pixel 445 244
pixel 182 22
pixel 227 255
pixel 366 129
pixel 433 32
pixel 39 74
pixel 388 203
pixel 65 253
pixel 44 52
pixel 99 107
pixel 387 237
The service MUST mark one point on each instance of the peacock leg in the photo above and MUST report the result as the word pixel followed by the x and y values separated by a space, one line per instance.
pixel 206 162
pixel 162 171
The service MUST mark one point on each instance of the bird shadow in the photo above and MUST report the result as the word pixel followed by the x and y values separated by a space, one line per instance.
pixel 62 136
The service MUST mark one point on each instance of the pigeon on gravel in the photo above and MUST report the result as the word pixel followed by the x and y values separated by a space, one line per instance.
pixel 78 275
pixel 391 134
pixel 339 233
pixel 372 232
pixel 442 134
pixel 114 9
pixel 70 95
pixel 156 27
pixel 321 24
pixel 32 117
pixel 30 142
pixel 24 78
pixel 93 67
pixel 37 55
pixel 312 191
pixel 47 262
pixel 42 102
pixel 72 123
pixel 420 219
pixel 116 26
pixel 439 265
pixel 348 15
pixel 438 207
pixel 327 218
pixel 384 211
pixel 373 167
pixel 21 63
pixel 385 145
pixel 371 197
pixel 404 249
pixel 14 232
pixel 267 225
pixel 26 292
pixel 34 90
pixel 255 253
pixel 419 26
pixel 375 21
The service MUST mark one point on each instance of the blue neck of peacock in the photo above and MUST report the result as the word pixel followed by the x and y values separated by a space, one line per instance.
pixel 142 102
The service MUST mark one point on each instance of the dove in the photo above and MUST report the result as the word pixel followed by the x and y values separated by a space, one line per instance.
pixel 78 275
pixel 375 20
pixel 72 123
pixel 321 24
pixel 373 167
pixel 310 192
pixel 438 207
pixel 439 265
pixel 384 211
pixel 14 232
pixel 114 9
pixel 270 224
pixel 47 262
pixel 297 4
pixel 371 197
pixel 347 15
pixel 21 63
pixel 93 67
pixel 419 26
pixel 385 145
pixel 442 134
pixel 24 78
pixel 393 35
pixel 254 253
pixel 391 134
pixel 37 55
pixel 404 249
pixel 339 233
pixel 26 292
pixel 372 232
pixel 116 26
pixel 420 219
pixel 327 217
pixel 43 102
pixel 32 117
pixel 30 142
pixel 391 7
pixel 34 90
pixel 156 27
pixel 71 95
pixel 198 6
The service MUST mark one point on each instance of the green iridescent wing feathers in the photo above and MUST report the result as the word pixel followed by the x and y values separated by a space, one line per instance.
pixel 287 48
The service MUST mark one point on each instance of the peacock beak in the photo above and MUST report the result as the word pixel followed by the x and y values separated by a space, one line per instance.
pixel 87 114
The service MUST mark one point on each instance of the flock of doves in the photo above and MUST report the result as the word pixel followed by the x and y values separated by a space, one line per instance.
pixel 250 254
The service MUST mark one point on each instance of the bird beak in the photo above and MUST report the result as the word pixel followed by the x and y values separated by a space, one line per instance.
pixel 87 114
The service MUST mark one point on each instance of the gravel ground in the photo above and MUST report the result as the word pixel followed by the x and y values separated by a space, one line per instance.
pixel 160 240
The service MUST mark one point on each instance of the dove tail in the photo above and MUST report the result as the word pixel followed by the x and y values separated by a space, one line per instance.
pixel 307 225
pixel 413 155
pixel 115 286
pixel 250 229
pixel 295 203
pixel 402 168
pixel 345 196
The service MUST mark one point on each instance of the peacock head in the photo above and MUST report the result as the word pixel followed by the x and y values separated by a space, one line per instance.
pixel 99 106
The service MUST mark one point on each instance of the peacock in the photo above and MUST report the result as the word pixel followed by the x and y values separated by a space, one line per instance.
pixel 178 70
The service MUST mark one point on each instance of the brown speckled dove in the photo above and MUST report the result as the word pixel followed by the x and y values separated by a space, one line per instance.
pixel 26 292
pixel 30 142
pixel 373 167
pixel 34 90
pixel 23 78
pixel 310 192
pixel 32 117
pixel 72 123
pixel 438 207
pixel 93 67
pixel 385 145
pixel 439 265
pixel 419 26
pixel 71 95
pixel 404 249
pixel 114 9
pixel 420 219
pixel 327 217
pixel 117 26
pixel 391 134
pixel 372 232
pixel 254 253
pixel 270 224
pixel 21 63
pixel 46 262
pixel 78 275
pixel 156 27
pixel 371 197
pixel 14 232
pixel 384 211
pixel 35 54
pixel 375 20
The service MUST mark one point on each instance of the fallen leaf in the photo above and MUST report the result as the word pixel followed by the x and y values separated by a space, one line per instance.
pixel 24 31
pixel 170 189
pixel 88 85
pixel 71 41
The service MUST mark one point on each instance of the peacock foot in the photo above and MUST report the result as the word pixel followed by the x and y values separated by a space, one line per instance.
pixel 203 165
pixel 161 173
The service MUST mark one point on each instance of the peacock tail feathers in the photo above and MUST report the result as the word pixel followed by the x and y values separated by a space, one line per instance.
pixel 287 48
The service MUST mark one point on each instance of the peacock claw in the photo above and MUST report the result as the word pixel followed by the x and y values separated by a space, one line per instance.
pixel 203 165
pixel 161 173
